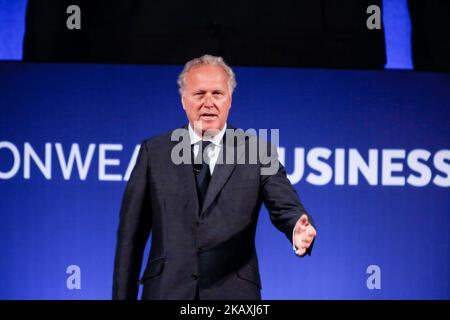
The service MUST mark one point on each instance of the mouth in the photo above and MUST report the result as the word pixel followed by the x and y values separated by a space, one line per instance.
pixel 208 116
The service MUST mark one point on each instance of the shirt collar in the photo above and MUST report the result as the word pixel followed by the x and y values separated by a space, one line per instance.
pixel 216 139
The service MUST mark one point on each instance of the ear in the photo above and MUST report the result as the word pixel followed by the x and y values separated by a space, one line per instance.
pixel 182 102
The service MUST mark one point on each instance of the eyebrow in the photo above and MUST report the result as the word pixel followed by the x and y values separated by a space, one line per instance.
pixel 202 91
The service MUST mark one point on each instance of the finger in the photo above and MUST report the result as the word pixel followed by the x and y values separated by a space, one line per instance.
pixel 309 238
pixel 311 232
pixel 300 229
pixel 301 226
pixel 301 239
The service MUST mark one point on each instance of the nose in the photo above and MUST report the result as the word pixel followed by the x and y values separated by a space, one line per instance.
pixel 208 101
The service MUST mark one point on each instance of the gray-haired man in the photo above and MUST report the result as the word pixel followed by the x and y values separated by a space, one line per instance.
pixel 202 214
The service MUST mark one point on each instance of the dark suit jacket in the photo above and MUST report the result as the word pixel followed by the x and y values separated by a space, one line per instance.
pixel 213 246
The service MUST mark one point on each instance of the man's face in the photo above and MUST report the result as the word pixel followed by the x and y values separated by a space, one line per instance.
pixel 206 97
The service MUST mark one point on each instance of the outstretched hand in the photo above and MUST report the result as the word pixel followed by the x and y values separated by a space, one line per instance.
pixel 304 235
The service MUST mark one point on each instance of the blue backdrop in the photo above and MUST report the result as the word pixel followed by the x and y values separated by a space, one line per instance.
pixel 368 153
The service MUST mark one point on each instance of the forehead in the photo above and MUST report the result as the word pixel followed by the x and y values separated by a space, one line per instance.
pixel 206 76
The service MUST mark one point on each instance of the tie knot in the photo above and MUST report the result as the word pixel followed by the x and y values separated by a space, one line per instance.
pixel 205 144
pixel 202 154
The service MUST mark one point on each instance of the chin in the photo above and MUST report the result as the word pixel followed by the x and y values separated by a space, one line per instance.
pixel 211 125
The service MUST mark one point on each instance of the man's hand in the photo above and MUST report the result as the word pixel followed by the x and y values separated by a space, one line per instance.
pixel 304 235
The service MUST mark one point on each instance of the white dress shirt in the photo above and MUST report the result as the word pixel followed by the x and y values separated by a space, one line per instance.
pixel 213 149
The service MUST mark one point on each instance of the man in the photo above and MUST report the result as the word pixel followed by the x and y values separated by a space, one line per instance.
pixel 202 215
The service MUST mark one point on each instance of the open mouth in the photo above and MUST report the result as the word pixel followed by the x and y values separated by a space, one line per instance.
pixel 208 116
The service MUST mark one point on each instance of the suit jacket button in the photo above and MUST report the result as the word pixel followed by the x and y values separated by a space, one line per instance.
pixel 194 276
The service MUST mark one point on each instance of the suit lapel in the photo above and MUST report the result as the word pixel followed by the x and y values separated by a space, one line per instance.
pixel 222 171
pixel 221 174
pixel 186 178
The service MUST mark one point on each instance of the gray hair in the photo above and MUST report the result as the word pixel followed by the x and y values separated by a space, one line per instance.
pixel 207 60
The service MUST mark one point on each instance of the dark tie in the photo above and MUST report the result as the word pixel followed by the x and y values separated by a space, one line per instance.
pixel 202 173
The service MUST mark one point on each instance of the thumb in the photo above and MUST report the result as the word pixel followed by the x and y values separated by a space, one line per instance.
pixel 304 220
